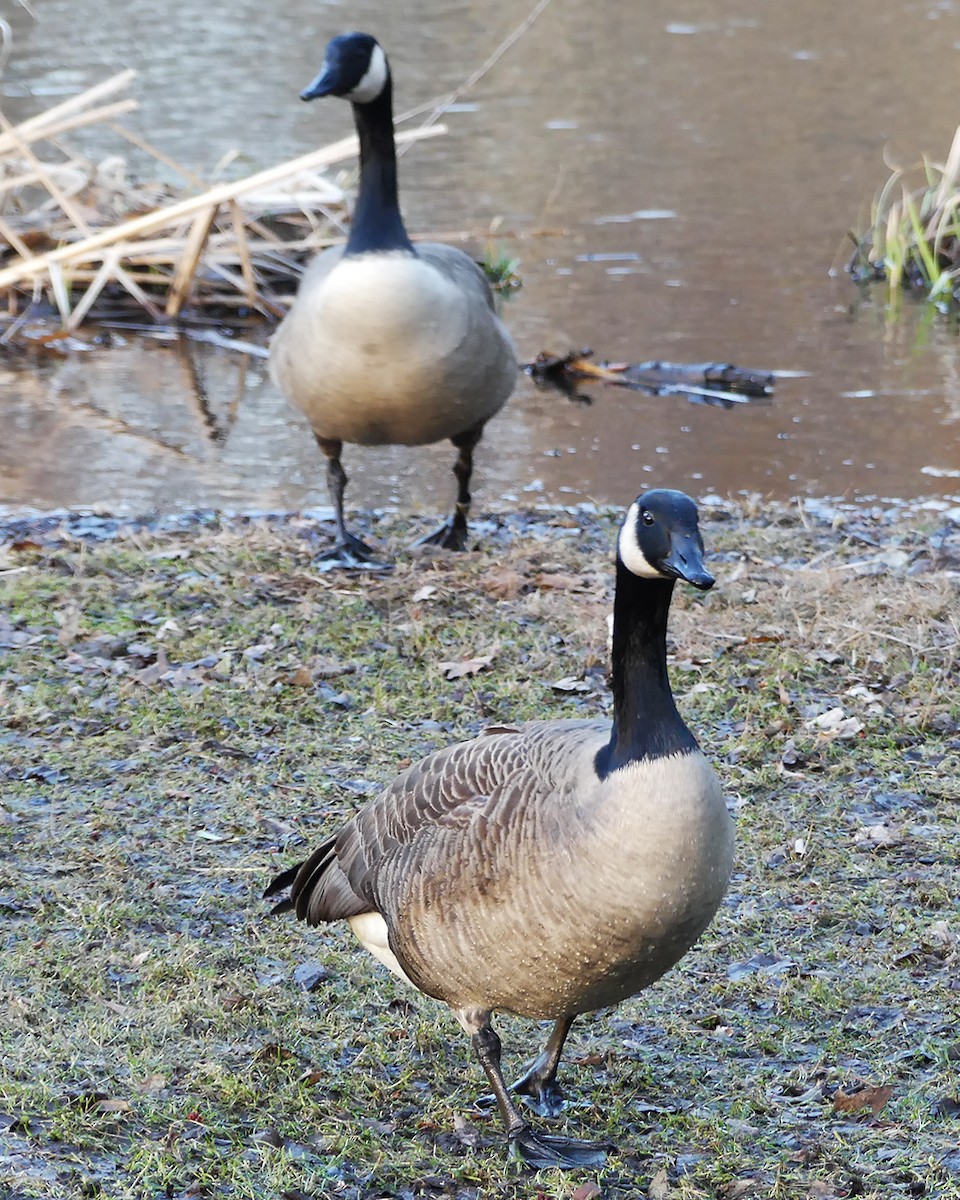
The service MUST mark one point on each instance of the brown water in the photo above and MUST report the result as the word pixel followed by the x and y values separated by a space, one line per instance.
pixel 704 166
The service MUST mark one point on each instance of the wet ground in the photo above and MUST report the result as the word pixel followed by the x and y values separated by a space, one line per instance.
pixel 703 168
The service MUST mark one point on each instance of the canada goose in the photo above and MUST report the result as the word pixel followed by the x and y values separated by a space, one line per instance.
pixel 550 869
pixel 388 343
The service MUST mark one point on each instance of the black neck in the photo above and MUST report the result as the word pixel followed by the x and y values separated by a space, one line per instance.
pixel 377 224
pixel 646 723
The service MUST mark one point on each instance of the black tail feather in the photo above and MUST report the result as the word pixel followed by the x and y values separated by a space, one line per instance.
pixel 281 883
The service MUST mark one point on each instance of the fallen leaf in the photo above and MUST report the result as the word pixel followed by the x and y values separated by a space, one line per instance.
pixel 277 828
pixel 68 619
pixel 761 964
pixel 424 593
pixel 301 677
pixel 867 1096
pixel 466 1132
pixel 942 936
pixel 586 1191
pixel 272 1052
pixel 571 683
pixel 457 669
pixel 660 1188
pixel 835 725
pixel 880 836
pixel 115 1106
pixel 502 582
pixel 152 1083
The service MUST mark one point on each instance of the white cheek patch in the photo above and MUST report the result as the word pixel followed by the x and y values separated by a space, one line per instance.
pixel 371 85
pixel 631 555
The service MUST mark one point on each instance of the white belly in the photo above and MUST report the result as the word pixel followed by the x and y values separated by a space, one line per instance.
pixel 384 348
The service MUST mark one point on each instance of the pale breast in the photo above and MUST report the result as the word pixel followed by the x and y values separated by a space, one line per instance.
pixel 591 895
pixel 387 348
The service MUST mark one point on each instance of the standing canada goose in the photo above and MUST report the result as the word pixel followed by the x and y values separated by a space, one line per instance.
pixel 388 343
pixel 553 868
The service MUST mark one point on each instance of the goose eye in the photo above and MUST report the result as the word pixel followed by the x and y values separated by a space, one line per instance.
pixel 647 517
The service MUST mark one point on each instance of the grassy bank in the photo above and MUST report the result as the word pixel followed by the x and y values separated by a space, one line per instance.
pixel 180 709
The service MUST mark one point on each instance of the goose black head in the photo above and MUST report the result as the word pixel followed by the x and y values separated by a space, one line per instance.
pixel 660 539
pixel 354 68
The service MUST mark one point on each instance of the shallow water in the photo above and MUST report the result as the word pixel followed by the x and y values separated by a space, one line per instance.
pixel 704 168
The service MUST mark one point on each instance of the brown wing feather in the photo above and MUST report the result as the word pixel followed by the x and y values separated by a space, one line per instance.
pixel 413 827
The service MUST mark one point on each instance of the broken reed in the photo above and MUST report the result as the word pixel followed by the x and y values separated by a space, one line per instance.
pixel 74 233
pixel 913 241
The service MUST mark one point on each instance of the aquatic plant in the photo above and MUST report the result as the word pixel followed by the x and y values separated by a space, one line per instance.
pixel 913 241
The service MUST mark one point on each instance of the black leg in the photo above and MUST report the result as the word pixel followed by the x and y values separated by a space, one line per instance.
pixel 538 1084
pixel 452 534
pixel 537 1149
pixel 349 550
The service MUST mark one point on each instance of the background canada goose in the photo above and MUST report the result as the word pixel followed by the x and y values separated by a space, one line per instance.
pixel 553 868
pixel 387 343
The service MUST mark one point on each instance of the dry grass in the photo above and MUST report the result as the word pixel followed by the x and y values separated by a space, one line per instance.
pixel 82 237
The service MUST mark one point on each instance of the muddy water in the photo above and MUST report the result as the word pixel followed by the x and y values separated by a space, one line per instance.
pixel 703 165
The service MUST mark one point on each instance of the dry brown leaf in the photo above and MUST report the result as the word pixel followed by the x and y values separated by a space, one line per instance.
pixel 115 1106
pixel 660 1188
pixel 868 1096
pixel 586 1191
pixel 155 672
pixel 68 619
pixel 301 677
pixel 152 1083
pixel 502 582
pixel 273 1052
pixel 739 1187
pixel 425 593
pixel 457 669
pixel 466 1132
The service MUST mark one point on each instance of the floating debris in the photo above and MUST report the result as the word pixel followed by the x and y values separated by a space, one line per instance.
pixel 720 384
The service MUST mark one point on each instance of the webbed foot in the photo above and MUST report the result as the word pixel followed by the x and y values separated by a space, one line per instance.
pixel 545 1097
pixel 350 553
pixel 542 1150
pixel 538 1084
pixel 451 535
